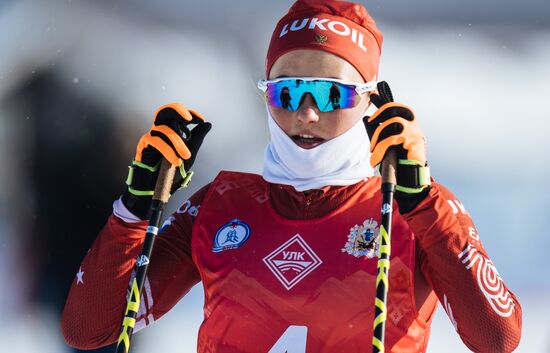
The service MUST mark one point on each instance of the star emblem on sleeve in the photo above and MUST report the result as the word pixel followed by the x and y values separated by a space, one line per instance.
pixel 80 276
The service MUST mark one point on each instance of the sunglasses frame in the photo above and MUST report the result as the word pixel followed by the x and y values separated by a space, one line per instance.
pixel 360 88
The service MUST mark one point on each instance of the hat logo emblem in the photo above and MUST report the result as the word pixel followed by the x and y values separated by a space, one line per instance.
pixel 319 38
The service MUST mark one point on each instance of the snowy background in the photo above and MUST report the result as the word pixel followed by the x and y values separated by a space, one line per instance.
pixel 79 81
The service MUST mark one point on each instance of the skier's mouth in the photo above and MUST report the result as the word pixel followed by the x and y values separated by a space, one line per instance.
pixel 307 141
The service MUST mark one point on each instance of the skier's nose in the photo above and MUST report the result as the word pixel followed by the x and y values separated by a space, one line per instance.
pixel 308 111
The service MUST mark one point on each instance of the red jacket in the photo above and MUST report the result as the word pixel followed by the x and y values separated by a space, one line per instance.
pixel 448 263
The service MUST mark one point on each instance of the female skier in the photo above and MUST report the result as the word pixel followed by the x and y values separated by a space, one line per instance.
pixel 288 258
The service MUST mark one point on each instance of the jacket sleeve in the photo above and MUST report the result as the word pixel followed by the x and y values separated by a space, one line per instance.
pixel 486 315
pixel 92 316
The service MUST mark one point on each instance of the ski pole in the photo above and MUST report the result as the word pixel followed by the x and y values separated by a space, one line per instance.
pixel 387 171
pixel 160 198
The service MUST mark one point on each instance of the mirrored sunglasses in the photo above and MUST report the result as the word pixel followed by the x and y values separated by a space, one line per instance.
pixel 328 93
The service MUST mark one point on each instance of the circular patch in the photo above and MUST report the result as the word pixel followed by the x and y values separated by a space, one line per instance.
pixel 231 235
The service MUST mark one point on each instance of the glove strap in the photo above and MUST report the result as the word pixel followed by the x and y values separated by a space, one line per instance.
pixel 412 177
pixel 186 176
pixel 134 185
pixel 141 178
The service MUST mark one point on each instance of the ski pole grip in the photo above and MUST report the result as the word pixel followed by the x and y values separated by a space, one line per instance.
pixel 164 182
pixel 388 167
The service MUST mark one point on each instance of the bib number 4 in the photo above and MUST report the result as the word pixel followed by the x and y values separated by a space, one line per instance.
pixel 293 340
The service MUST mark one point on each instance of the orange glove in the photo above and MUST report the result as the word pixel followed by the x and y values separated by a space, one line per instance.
pixel 168 133
pixel 171 138
pixel 394 124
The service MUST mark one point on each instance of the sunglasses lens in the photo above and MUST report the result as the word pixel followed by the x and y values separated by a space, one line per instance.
pixel 328 95
pixel 343 96
pixel 279 95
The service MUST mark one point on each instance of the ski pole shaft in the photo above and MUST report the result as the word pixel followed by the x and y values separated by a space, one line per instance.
pixel 160 198
pixel 387 171
pixel 382 279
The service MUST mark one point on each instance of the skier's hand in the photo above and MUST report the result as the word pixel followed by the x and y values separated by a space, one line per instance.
pixel 170 137
pixel 394 125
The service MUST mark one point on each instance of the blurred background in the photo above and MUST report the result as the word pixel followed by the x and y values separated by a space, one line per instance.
pixel 80 80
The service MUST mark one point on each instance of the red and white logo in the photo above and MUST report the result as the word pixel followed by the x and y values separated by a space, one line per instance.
pixel 488 279
pixel 292 261
pixel 325 24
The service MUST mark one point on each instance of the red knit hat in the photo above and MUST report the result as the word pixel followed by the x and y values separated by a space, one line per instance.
pixel 339 27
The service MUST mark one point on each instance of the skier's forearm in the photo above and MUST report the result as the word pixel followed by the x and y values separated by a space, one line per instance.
pixel 96 302
pixel 93 311
pixel 484 312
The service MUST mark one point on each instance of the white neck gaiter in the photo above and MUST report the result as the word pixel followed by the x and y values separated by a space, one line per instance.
pixel 344 160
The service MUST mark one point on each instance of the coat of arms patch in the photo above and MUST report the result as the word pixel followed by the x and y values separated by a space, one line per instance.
pixel 363 239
